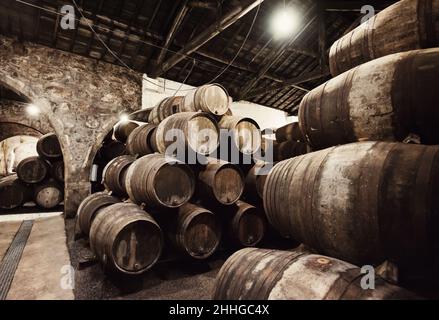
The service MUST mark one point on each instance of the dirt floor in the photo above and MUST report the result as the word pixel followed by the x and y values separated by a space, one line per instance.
pixel 168 279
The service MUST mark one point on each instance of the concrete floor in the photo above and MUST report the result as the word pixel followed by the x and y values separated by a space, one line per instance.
pixel 41 272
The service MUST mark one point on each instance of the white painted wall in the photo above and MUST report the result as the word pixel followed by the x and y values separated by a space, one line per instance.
pixel 15 149
pixel 154 90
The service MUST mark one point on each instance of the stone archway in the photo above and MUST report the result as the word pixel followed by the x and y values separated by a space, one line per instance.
pixel 81 99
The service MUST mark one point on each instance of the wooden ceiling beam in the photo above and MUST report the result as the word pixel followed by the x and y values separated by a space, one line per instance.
pixel 226 21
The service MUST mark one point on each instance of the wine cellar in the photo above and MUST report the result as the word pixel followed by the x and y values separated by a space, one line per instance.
pixel 219 150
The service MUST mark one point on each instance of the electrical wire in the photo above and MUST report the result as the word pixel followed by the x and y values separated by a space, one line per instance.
pixel 242 46
pixel 91 26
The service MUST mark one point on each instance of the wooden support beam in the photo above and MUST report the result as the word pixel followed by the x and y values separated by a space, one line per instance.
pixel 313 75
pixel 226 21
pixel 172 32
pixel 323 56
pixel 277 54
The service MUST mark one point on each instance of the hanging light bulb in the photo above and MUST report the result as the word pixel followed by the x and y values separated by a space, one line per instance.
pixel 284 22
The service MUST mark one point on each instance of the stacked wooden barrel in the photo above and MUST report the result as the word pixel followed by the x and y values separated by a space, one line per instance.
pixel 38 178
pixel 196 199
pixel 372 200
pixel 261 274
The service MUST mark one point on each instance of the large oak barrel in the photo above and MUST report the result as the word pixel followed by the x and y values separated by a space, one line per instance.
pixel 210 98
pixel 244 133
pixel 220 181
pixel 165 108
pixel 194 130
pixel 57 171
pixel 255 180
pixel 89 208
pixel 382 100
pixel 157 181
pixel 288 149
pixel 363 202
pixel 126 239
pixel 112 150
pixel 245 226
pixel 139 141
pixel 123 129
pixel 32 170
pixel 113 176
pixel 197 231
pixel 261 274
pixel 289 132
pixel 48 147
pixel 406 25
pixel 13 193
pixel 48 195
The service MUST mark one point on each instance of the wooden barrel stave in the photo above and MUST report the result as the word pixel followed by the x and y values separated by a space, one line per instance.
pixel 369 201
pixel 196 131
pixel 89 208
pixel 32 170
pixel 49 148
pixel 210 98
pixel 382 100
pixel 113 176
pixel 155 181
pixel 406 25
pixel 13 193
pixel 123 129
pixel 220 181
pixel 261 274
pixel 126 239
pixel 139 141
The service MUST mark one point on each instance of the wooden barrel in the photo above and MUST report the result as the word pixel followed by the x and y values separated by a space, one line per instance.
pixel 197 231
pixel 126 239
pixel 112 150
pixel 156 181
pixel 165 108
pixel 13 193
pixel 382 100
pixel 139 141
pixel 406 25
pixel 194 130
pixel 220 181
pixel 89 208
pixel 244 132
pixel 255 180
pixel 262 274
pixel 365 202
pixel 210 98
pixel 288 149
pixel 57 171
pixel 48 147
pixel 246 225
pixel 32 170
pixel 113 176
pixel 48 195
pixel 123 129
pixel 289 132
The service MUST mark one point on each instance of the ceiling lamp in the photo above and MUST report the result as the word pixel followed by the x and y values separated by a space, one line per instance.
pixel 284 22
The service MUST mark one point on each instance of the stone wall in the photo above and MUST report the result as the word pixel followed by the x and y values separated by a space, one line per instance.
pixel 13 120
pixel 81 99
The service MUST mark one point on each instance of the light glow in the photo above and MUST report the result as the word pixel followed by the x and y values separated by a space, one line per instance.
pixel 33 110
pixel 124 118
pixel 284 22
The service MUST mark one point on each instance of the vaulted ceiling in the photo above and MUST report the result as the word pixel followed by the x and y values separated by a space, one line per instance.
pixel 197 41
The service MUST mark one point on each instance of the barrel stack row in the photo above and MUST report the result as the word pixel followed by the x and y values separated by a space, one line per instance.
pixel 39 179
pixel 365 197
pixel 194 204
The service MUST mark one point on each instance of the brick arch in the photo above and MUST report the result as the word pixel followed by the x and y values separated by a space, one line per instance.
pixel 81 99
